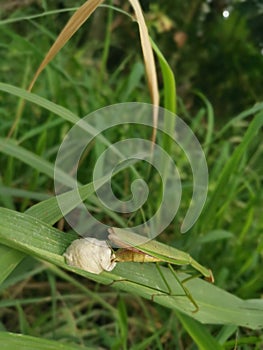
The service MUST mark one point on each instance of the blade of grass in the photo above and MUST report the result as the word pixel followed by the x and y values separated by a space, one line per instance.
pixel 40 101
pixel 54 108
pixel 170 104
pixel 169 98
pixel 25 271
pixel 78 18
pixel 106 46
pixel 40 129
pixel 20 104
pixel 230 168
pixel 24 342
pixel 225 333
pixel 251 111
pixel 49 210
pixel 34 237
pixel 38 15
pixel 74 23
pixel 210 119
pixel 9 259
pixel 147 54
pixel 149 63
pixel 168 81
pixel 10 148
pixel 202 338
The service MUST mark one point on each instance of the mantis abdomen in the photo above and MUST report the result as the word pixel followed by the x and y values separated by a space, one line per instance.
pixel 134 255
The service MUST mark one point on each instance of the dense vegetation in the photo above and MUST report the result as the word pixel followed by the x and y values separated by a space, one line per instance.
pixel 217 62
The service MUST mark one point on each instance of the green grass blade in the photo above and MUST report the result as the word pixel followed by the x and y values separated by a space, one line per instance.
pixel 210 119
pixel 34 237
pixel 10 148
pixel 9 259
pixel 169 90
pixel 225 333
pixel 199 333
pixel 40 129
pixel 50 106
pixel 258 107
pixel 168 79
pixel 20 193
pixel 169 99
pixel 227 172
pixel 49 210
pixel 40 101
pixel 24 342
pixel 39 15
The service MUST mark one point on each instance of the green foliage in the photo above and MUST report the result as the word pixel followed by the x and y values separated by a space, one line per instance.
pixel 53 305
pixel 221 56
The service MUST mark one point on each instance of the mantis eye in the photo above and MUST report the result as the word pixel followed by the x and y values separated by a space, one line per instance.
pixel 90 254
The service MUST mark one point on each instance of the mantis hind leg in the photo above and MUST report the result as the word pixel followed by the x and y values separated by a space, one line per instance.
pixel 181 283
pixel 161 292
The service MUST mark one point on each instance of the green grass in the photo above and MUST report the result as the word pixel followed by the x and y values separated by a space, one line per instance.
pixel 52 304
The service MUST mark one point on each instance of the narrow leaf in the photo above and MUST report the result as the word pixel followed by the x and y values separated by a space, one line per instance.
pixel 149 62
pixel 216 306
pixel 9 259
pixel 147 52
pixel 75 22
pixel 230 168
pixel 199 333
pixel 24 342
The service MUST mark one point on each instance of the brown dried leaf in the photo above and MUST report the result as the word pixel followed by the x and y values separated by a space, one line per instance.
pixel 148 61
pixel 74 23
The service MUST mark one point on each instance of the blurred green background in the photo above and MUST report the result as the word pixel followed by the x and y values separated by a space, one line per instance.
pixel 215 47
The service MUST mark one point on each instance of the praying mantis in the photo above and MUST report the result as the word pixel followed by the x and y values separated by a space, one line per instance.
pixel 153 251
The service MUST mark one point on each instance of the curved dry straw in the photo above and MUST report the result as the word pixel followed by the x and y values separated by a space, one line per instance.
pixel 76 21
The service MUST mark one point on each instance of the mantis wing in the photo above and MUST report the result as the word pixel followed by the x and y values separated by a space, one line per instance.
pixel 125 238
